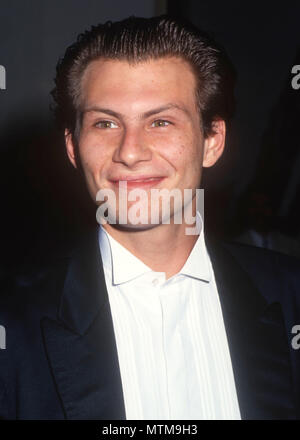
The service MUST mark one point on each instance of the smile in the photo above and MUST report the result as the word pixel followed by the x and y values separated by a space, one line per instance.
pixel 140 182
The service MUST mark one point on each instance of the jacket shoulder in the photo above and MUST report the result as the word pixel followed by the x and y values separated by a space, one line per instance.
pixel 33 291
pixel 274 273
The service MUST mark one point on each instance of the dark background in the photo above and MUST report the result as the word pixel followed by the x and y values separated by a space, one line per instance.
pixel 255 186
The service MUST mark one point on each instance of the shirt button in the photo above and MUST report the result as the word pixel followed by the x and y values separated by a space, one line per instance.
pixel 155 282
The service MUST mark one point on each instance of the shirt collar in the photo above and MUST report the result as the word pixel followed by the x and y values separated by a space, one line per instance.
pixel 124 266
pixel 197 265
pixel 121 263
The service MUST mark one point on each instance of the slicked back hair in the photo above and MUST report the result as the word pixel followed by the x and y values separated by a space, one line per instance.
pixel 137 39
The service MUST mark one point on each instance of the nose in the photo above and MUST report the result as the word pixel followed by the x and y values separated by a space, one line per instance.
pixel 132 148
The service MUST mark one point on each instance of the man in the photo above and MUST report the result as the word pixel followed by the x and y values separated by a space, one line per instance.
pixel 145 320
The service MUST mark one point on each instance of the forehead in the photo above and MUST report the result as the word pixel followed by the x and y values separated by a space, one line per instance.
pixel 141 84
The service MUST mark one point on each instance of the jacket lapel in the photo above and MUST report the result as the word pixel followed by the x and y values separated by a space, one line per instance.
pixel 81 346
pixel 257 342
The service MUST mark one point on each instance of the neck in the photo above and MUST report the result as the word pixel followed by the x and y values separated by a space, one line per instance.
pixel 164 248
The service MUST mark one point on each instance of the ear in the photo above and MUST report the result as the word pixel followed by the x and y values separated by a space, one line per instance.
pixel 214 144
pixel 70 147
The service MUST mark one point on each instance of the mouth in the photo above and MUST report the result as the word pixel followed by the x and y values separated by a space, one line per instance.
pixel 138 181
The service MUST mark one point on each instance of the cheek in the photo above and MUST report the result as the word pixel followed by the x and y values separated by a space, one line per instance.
pixel 188 160
pixel 92 155
pixel 173 148
pixel 183 153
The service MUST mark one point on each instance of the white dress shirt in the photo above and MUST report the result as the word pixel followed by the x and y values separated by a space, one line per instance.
pixel 171 341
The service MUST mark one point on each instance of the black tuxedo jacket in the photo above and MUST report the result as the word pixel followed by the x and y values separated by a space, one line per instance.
pixel 61 361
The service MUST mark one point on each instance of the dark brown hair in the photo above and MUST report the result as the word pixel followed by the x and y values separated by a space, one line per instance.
pixel 138 39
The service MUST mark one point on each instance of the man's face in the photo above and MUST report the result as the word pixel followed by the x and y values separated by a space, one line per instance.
pixel 140 124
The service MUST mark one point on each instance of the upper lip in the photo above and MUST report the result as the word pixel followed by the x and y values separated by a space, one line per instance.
pixel 141 177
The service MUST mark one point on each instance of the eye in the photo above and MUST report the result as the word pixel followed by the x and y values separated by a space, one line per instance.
pixel 160 123
pixel 106 124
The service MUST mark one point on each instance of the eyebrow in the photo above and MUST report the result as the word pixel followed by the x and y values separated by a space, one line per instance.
pixel 143 115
